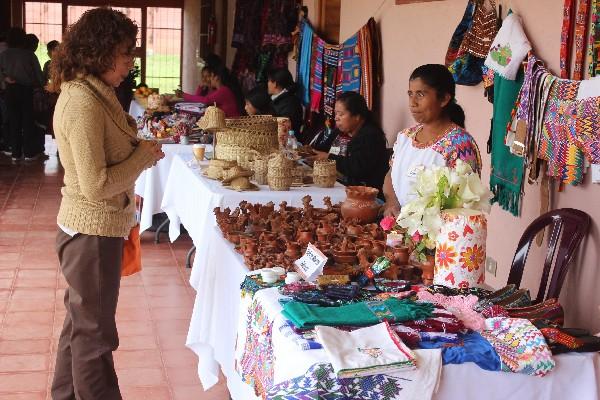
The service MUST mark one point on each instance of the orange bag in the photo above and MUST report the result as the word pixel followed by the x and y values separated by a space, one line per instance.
pixel 132 253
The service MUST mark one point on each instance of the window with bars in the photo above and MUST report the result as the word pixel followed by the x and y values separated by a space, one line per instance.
pixel 158 41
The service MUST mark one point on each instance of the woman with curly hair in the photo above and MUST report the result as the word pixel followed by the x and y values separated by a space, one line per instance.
pixel 102 158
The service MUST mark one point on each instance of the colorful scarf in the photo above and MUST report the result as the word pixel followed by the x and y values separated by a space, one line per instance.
pixel 594 44
pixel 506 177
pixel 580 17
pixel 316 83
pixel 370 59
pixel 331 56
pixel 304 62
pixel 351 67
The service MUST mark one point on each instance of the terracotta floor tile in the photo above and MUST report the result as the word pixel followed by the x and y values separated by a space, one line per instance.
pixel 132 314
pixel 170 313
pixel 6 283
pixel 25 330
pixel 135 328
pixel 157 271
pixel 166 290
pixel 23 382
pixel 146 393
pixel 172 341
pixel 4 294
pixel 180 358
pixel 24 363
pixel 24 396
pixel 34 293
pixel 31 346
pixel 192 392
pixel 142 377
pixel 183 376
pixel 140 342
pixel 171 301
pixel 38 317
pixel 31 305
pixel 138 359
pixel 35 283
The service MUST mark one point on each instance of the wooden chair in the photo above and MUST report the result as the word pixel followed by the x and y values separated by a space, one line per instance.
pixel 573 225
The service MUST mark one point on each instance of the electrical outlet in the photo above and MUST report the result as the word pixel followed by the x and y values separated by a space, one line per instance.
pixel 491 265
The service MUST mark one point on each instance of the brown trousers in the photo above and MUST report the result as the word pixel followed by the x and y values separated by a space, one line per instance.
pixel 84 362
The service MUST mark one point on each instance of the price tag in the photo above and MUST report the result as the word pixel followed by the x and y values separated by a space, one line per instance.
pixel 595 173
pixel 311 264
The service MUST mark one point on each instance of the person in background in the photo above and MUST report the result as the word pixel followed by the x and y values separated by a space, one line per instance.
pixel 257 101
pixel 362 158
pixel 226 93
pixel 50 47
pixel 21 73
pixel 211 61
pixel 438 138
pixel 102 158
pixel 31 42
pixel 284 102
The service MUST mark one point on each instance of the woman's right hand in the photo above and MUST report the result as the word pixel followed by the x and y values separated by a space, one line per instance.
pixel 391 209
pixel 153 148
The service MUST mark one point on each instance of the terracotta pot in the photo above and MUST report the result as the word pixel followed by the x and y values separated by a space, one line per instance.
pixel 250 248
pixel 377 247
pixel 354 230
pixel 292 250
pixel 234 237
pixel 325 228
pixel 305 237
pixel 427 267
pixel 400 254
pixel 361 204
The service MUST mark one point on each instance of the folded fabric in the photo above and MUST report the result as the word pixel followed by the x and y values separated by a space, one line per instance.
pixel 509 48
pixel 321 382
pixel 460 306
pixel 303 344
pixel 367 351
pixel 471 347
pixel 359 314
pixel 520 345
pixel 440 337
pixel 441 320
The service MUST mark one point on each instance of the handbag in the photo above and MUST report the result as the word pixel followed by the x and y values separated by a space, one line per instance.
pixel 131 262
pixel 459 34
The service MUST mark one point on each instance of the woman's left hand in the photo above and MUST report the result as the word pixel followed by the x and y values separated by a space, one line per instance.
pixel 319 155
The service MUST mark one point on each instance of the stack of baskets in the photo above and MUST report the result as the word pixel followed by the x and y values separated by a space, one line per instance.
pixel 324 173
pixel 244 134
pixel 260 166
pixel 279 175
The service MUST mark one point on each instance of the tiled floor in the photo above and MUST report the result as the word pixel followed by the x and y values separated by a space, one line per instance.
pixel 154 306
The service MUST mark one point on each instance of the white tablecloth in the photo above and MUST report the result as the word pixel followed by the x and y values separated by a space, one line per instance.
pixel 190 198
pixel 215 324
pixel 152 182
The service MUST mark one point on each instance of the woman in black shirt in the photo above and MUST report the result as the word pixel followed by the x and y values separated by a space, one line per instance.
pixel 363 158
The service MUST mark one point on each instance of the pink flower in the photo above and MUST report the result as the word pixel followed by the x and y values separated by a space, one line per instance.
pixel 387 223
pixel 416 237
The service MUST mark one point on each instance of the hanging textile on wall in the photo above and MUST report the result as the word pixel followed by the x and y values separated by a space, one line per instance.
pixel 353 65
pixel 594 44
pixel 262 35
pixel 563 123
pixel 509 49
pixel 575 22
pixel 304 62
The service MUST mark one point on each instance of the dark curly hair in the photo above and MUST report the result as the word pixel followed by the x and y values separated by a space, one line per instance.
pixel 89 45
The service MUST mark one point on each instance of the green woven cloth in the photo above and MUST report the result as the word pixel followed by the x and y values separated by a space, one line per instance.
pixel 506 176
pixel 306 316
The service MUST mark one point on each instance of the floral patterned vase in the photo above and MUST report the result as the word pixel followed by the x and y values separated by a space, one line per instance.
pixel 460 249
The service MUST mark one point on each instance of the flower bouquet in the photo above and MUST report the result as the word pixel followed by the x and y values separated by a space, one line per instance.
pixel 440 193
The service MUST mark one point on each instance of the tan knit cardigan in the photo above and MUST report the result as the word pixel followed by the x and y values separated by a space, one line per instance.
pixel 98 149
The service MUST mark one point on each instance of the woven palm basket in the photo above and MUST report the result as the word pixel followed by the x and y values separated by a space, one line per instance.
pixel 246 160
pixel 280 174
pixel 263 123
pixel 233 142
pixel 213 119
pixel 260 166
pixel 324 173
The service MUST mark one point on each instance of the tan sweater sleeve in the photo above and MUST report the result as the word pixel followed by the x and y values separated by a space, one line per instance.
pixel 84 129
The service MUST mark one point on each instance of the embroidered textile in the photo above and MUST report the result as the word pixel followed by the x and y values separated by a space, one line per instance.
pixel 369 42
pixel 520 345
pixel 460 306
pixel 509 49
pixel 459 34
pixel 359 314
pixel 304 62
pixel 571 131
pixel 574 13
pixel 479 37
pixel 506 177
pixel 316 83
pixel 367 351
pixel 254 283
pixel 300 341
pixel 459 144
pixel 331 54
pixel 351 67
pixel 256 364
pixel 594 44
pixel 440 321
pixel 321 382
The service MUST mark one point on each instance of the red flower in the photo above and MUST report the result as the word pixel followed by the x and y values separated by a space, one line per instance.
pixel 387 223
pixel 416 237
pixel 453 236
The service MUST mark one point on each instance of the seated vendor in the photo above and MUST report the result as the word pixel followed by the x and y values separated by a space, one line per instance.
pixel 439 138
pixel 257 101
pixel 284 102
pixel 359 149
pixel 226 94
